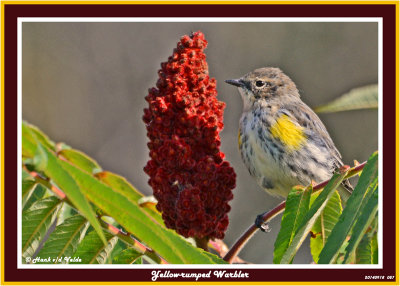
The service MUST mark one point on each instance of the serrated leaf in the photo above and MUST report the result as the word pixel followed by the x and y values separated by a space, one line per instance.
pixel 64 240
pixel 310 217
pixel 119 247
pixel 26 176
pixel 366 184
pixel 324 224
pixel 297 205
pixel 28 141
pixel 341 252
pixel 67 211
pixel 167 243
pixel 92 250
pixel 80 160
pixel 138 261
pixel 149 205
pixel 364 251
pixel 36 221
pixel 175 248
pixel 62 146
pixel 367 215
pixel 28 185
pixel 357 98
pixel 41 137
pixel 127 256
pixel 47 162
pixel 122 186
pixel 216 259
pixel 374 245
pixel 36 193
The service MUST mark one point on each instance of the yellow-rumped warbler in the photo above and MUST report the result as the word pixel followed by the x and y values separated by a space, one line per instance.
pixel 282 141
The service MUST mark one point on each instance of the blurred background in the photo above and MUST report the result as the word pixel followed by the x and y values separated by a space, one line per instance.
pixel 85 83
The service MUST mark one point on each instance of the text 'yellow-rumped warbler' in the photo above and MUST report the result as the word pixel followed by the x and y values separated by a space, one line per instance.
pixel 282 141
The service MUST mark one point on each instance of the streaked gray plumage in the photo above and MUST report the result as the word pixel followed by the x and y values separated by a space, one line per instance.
pixel 282 141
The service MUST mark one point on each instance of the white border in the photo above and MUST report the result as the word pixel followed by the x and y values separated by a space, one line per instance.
pixel 200 266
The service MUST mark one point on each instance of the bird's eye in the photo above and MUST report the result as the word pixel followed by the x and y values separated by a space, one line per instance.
pixel 260 83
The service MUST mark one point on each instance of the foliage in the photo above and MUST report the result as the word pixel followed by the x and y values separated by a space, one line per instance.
pixel 357 98
pixel 73 212
pixel 336 236
pixel 121 230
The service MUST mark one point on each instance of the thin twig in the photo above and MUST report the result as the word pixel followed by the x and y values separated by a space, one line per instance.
pixel 245 237
pixel 128 239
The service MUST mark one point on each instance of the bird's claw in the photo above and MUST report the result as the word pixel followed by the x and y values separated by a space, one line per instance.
pixel 259 222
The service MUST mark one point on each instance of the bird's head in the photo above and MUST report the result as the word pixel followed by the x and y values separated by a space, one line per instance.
pixel 264 84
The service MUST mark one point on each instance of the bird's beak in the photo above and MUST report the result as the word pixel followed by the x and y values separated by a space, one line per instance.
pixel 235 82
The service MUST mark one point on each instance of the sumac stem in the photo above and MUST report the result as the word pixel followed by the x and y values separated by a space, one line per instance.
pixel 245 237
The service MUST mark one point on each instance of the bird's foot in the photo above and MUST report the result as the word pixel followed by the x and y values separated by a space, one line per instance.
pixel 259 222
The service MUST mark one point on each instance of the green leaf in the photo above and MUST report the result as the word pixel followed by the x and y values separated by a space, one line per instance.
pixel 92 250
pixel 297 205
pixel 41 137
pixel 363 222
pixel 358 98
pixel 374 246
pixel 166 242
pixel 28 141
pixel 28 185
pixel 67 211
pixel 341 252
pixel 26 176
pixel 310 217
pixel 36 221
pixel 122 186
pixel 367 250
pixel 81 160
pixel 36 193
pixel 138 261
pixel 127 256
pixel 118 248
pixel 149 205
pixel 47 162
pixel 215 258
pixel 364 251
pixel 366 184
pixel 324 224
pixel 64 240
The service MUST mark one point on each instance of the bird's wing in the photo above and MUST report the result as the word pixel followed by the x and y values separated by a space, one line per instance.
pixel 313 127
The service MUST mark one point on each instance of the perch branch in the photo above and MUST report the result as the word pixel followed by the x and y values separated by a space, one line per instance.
pixel 245 237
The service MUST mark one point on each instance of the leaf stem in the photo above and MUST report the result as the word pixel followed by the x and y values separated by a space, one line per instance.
pixel 128 239
pixel 125 237
pixel 245 237
pixel 202 243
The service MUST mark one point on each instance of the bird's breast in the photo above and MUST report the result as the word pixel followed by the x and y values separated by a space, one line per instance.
pixel 264 156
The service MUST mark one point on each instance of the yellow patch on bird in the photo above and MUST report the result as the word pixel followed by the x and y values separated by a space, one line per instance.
pixel 239 139
pixel 290 134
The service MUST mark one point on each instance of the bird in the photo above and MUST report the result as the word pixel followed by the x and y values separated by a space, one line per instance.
pixel 282 142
